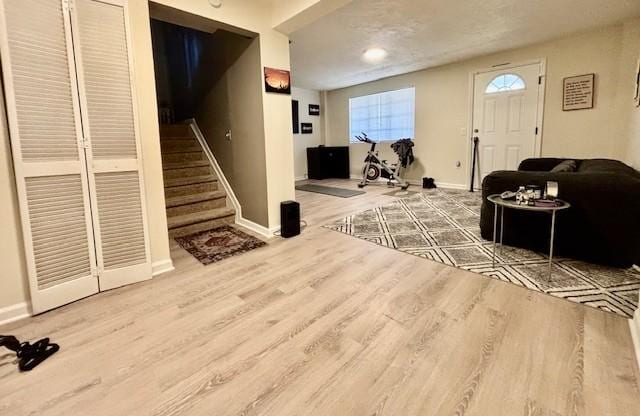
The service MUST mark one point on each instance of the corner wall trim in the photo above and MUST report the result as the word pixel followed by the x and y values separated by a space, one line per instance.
pixel 15 312
pixel 257 228
pixel 634 325
pixel 162 266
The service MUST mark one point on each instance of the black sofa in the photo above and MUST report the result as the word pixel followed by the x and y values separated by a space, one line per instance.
pixel 603 224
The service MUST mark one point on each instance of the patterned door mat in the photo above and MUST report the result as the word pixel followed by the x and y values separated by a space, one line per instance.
pixel 444 225
pixel 218 244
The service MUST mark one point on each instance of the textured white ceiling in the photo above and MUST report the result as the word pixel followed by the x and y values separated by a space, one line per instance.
pixel 419 34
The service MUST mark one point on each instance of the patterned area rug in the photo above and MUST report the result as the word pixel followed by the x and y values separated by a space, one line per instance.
pixel 444 226
pixel 399 193
pixel 218 244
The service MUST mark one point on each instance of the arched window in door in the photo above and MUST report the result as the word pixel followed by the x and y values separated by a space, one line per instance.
pixel 505 82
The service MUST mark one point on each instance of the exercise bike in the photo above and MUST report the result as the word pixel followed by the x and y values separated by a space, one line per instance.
pixel 374 167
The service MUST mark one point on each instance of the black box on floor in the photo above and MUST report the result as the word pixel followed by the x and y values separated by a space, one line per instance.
pixel 428 183
pixel 289 219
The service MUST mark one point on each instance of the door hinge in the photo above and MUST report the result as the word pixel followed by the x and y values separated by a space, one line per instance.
pixel 65 5
pixel 85 143
pixel 540 80
pixel 94 273
pixel 536 131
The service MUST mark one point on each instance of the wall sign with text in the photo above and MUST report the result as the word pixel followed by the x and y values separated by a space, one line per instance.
pixel 578 92
pixel 306 128
pixel 314 110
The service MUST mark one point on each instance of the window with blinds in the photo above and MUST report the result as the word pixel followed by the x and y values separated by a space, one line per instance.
pixel 386 116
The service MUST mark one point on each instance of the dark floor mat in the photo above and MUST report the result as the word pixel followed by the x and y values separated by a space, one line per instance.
pixel 328 190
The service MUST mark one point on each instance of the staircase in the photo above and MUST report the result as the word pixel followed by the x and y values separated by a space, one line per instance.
pixel 194 201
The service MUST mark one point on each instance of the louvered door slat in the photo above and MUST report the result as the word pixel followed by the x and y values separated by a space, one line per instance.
pixel 120 219
pixel 102 29
pixel 49 162
pixel 39 60
pixel 104 75
pixel 56 217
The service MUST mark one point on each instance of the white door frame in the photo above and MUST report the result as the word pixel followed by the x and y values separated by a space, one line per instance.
pixel 540 108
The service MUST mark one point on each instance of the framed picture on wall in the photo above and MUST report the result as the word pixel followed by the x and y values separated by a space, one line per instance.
pixel 277 81
pixel 295 119
pixel 578 92
pixel 314 109
pixel 306 128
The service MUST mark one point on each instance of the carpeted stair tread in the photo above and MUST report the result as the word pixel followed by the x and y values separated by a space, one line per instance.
pixel 170 183
pixel 177 201
pixel 197 217
pixel 182 149
pixel 182 137
pixel 183 157
pixel 187 172
pixel 193 200
pixel 185 164
pixel 177 130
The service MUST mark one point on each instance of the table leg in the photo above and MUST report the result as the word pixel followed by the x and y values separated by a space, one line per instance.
pixel 501 228
pixel 495 232
pixel 553 231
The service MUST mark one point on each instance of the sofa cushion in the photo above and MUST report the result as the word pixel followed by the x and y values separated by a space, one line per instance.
pixel 604 165
pixel 565 166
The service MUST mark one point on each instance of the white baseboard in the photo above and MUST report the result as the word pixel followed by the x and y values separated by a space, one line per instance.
pixel 415 182
pixel 162 266
pixel 634 325
pixel 15 312
pixel 257 228
pixel 451 185
pixel 301 178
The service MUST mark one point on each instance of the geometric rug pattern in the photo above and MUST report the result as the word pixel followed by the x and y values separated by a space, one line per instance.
pixel 218 244
pixel 443 225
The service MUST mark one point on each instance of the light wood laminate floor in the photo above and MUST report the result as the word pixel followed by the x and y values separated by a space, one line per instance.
pixel 325 324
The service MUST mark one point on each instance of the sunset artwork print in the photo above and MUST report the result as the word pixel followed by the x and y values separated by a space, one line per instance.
pixel 277 80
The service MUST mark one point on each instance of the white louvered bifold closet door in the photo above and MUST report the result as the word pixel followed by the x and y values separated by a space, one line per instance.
pixel 48 151
pixel 103 61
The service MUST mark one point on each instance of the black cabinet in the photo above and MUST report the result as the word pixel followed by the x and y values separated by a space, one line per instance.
pixel 328 162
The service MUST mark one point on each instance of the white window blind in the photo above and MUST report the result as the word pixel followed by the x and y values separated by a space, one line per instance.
pixel 387 116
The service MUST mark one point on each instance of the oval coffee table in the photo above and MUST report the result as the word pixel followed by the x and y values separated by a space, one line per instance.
pixel 497 201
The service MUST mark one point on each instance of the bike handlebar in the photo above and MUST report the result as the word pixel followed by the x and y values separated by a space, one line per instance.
pixel 364 139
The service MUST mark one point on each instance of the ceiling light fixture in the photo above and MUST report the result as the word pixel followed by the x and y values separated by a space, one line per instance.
pixel 374 55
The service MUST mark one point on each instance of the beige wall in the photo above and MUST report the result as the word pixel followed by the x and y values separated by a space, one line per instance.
pixel 631 54
pixel 302 141
pixel 633 149
pixel 149 131
pixel 235 103
pixel 442 105
pixel 14 287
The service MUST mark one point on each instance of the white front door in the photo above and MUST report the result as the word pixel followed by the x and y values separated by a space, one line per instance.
pixel 505 117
